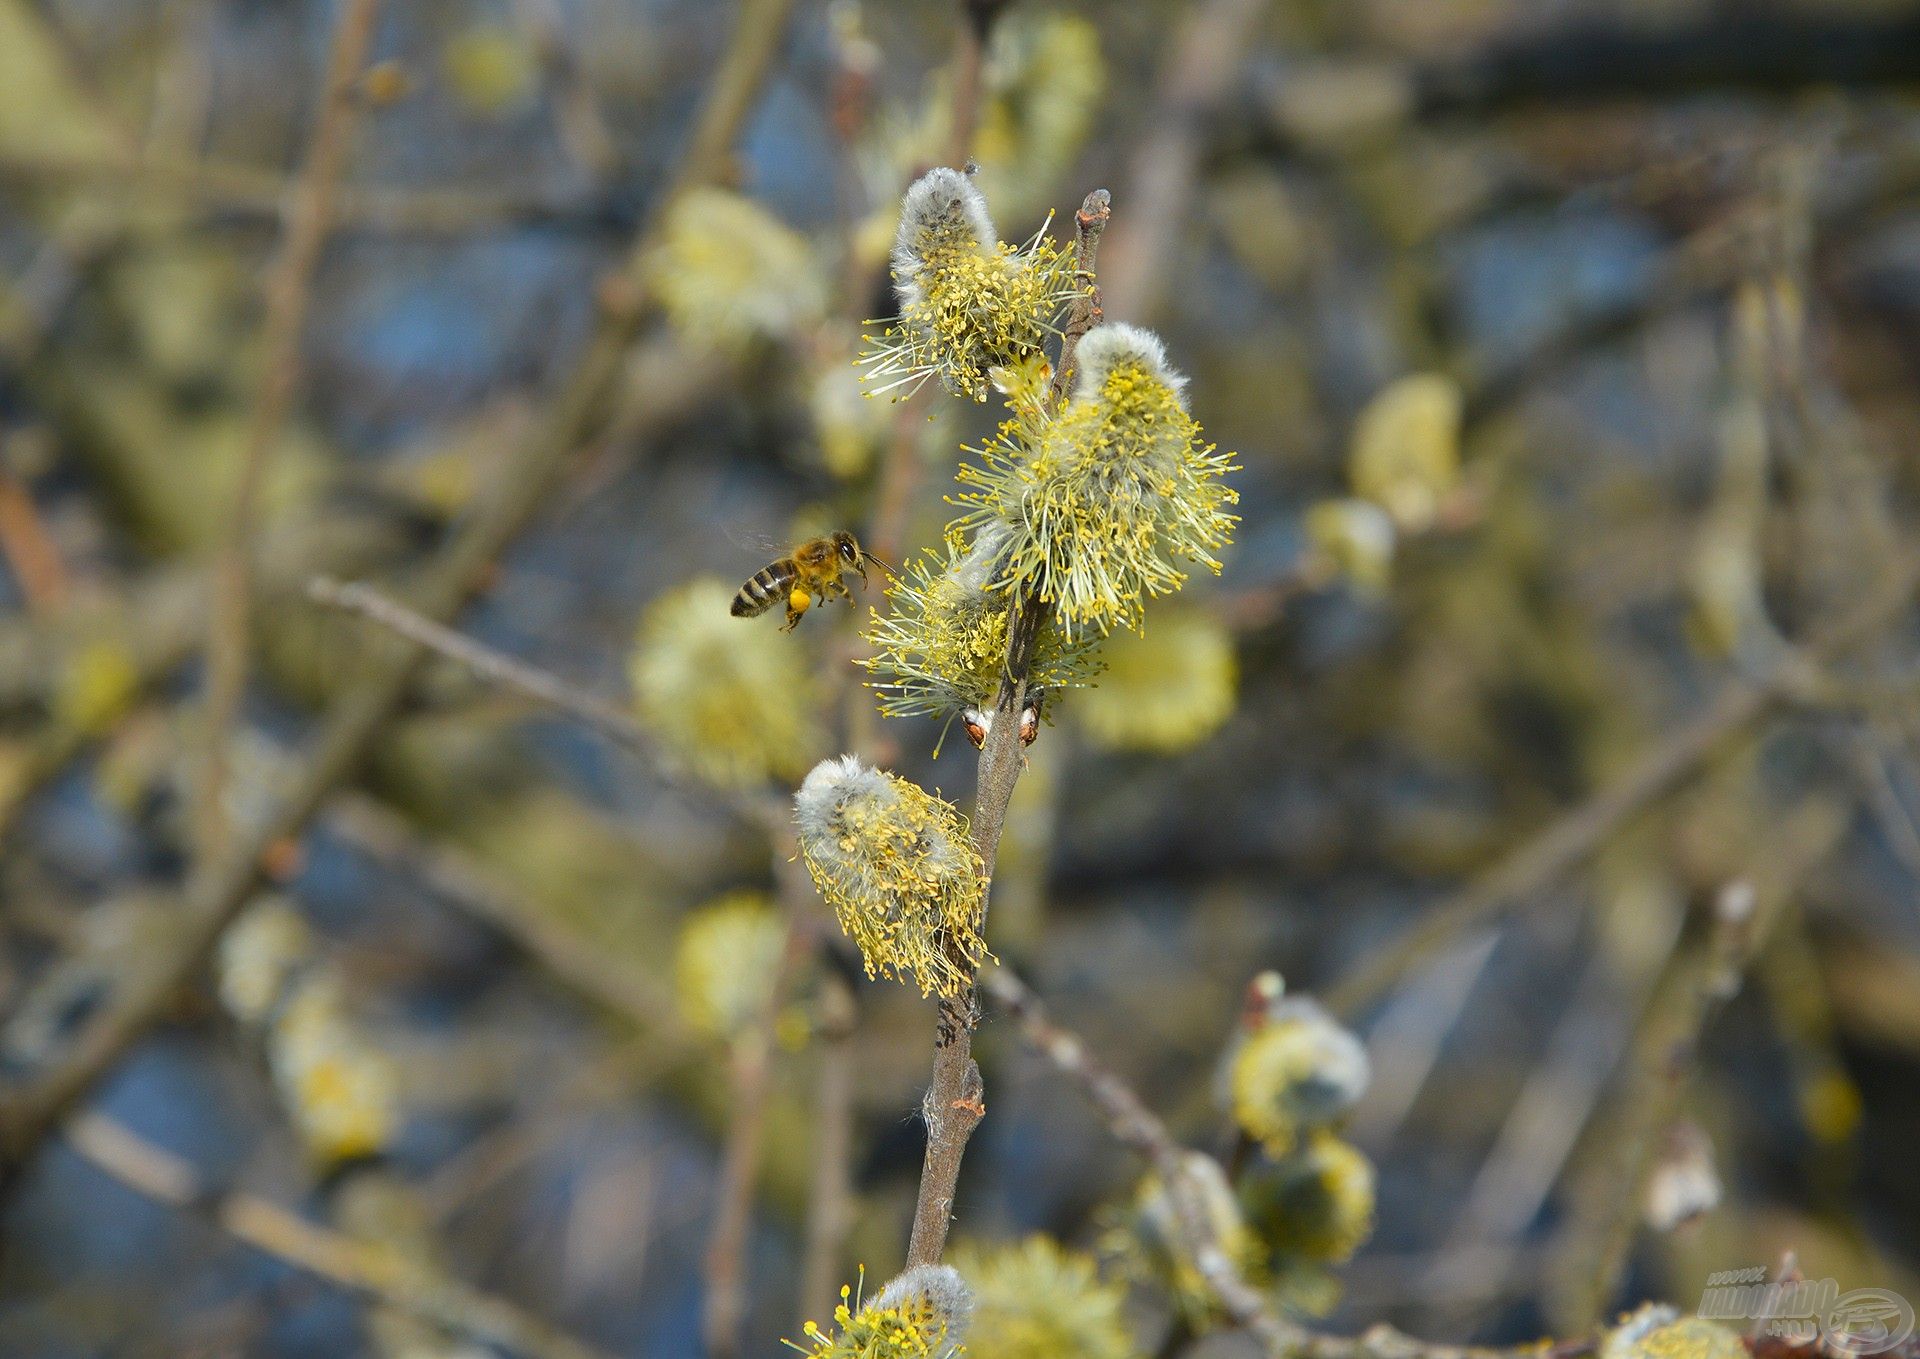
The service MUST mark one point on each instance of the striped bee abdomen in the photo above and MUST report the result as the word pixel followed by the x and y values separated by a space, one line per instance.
pixel 764 589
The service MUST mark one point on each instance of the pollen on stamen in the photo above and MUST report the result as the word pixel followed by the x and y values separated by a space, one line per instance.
pixel 968 302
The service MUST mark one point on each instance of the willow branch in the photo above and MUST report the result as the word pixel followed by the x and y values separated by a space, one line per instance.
pixel 357 719
pixel 531 681
pixel 830 1195
pixel 751 1087
pixel 256 196
pixel 901 467
pixel 955 1099
pixel 977 18
pixel 495 667
pixel 1199 72
pixel 1666 1045
pixel 1138 1128
pixel 1578 833
pixel 289 293
pixel 364 1268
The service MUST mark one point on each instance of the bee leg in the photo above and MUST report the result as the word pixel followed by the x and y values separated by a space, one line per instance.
pixel 798 602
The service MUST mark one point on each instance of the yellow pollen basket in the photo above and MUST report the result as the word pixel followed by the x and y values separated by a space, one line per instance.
pixel 799 601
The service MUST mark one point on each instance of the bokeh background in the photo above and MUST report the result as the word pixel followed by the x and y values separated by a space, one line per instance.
pixel 1571 352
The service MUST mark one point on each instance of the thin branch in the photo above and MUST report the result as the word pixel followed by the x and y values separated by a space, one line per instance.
pixel 977 18
pixel 1086 312
pixel 830 1195
pixel 495 667
pixel 31 552
pixel 955 1099
pixel 1579 832
pixel 541 685
pixel 1666 1043
pixel 1137 1127
pixel 289 293
pixel 634 993
pixel 583 130
pixel 365 1268
pixel 256 196
pixel 750 1077
pixel 577 412
pixel 1201 66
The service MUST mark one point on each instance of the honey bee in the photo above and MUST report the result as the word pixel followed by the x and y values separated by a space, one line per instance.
pixel 810 572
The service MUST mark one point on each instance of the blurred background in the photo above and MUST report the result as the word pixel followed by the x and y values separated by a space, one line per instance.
pixel 355 1004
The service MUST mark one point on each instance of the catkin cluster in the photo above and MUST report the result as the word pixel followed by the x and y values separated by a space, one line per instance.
pixel 1107 502
pixel 1657 1331
pixel 340 1088
pixel 922 1314
pixel 968 302
pixel 896 865
pixel 1297 1072
pixel 725 962
pixel 728 704
pixel 1034 1299
pixel 1091 506
pixel 940 649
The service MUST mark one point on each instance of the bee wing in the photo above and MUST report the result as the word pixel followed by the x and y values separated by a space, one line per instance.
pixel 749 541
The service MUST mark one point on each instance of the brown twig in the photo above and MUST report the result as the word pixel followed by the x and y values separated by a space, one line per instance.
pixel 750 1083
pixel 541 685
pixel 32 555
pixel 289 292
pixel 496 667
pixel 977 18
pixel 1160 178
pixel 1567 843
pixel 830 1195
pixel 1704 977
pixel 955 1101
pixel 370 1270
pixel 900 471
pixel 1666 1047
pixel 583 131
pixel 576 413
pixel 1137 1127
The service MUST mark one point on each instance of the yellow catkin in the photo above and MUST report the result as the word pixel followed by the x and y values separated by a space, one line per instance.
pixel 895 864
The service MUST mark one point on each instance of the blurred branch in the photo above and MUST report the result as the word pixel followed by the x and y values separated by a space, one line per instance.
pixel 540 685
pixel 977 18
pixel 32 555
pixel 1666 1049
pixel 1200 71
pixel 635 994
pixel 289 291
pixel 575 414
pixel 368 1269
pixel 496 667
pixel 830 1194
pixel 750 1086
pixel 1569 840
pixel 1589 61
pixel 1137 1127
pixel 902 466
pixel 954 1103
pixel 582 128
pixel 256 194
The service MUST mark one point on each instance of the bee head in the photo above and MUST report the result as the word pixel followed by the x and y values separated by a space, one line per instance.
pixel 847 546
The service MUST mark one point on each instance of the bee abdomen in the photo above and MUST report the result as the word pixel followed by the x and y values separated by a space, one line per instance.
pixel 763 590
